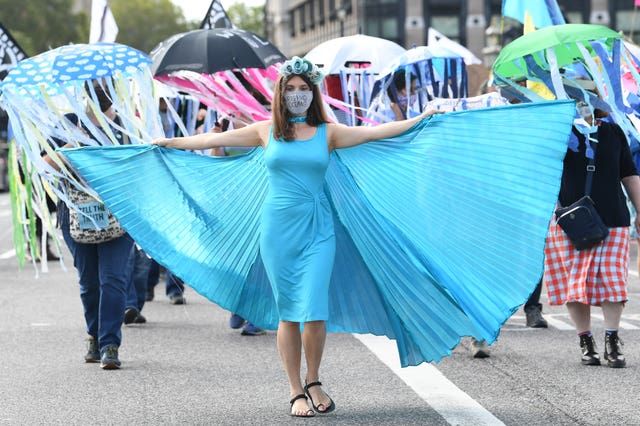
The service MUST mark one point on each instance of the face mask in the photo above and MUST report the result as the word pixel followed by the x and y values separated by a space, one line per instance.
pixel 298 102
pixel 403 101
pixel 584 110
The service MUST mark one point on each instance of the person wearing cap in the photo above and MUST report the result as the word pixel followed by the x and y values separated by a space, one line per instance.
pixel 580 279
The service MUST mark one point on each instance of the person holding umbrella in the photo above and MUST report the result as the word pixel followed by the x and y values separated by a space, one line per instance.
pixel 595 276
pixel 103 269
pixel 297 240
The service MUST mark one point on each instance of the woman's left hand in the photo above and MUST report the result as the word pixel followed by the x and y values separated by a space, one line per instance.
pixel 160 141
pixel 431 112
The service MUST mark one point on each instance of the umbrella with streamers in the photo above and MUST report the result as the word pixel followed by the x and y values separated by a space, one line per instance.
pixel 73 63
pixel 230 70
pixel 37 95
pixel 438 71
pixel 351 64
pixel 342 52
pixel 561 55
pixel 561 40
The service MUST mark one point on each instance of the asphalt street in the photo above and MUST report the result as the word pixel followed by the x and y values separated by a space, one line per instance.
pixel 187 367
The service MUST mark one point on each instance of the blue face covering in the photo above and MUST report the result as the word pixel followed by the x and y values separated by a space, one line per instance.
pixel 404 101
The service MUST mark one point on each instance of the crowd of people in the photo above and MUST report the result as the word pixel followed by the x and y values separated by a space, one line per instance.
pixel 297 237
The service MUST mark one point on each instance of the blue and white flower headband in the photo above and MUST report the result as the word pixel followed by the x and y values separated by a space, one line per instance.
pixel 300 66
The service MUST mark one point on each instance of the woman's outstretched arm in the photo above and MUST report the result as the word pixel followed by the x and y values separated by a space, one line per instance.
pixel 253 135
pixel 341 136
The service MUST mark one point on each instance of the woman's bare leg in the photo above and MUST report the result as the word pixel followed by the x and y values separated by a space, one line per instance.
pixel 290 350
pixel 313 339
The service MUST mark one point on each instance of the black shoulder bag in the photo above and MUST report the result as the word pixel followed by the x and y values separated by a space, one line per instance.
pixel 580 221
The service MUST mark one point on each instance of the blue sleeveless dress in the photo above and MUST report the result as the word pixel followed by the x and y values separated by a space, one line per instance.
pixel 438 233
pixel 297 241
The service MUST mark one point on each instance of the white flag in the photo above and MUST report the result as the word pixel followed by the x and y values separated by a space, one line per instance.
pixel 103 24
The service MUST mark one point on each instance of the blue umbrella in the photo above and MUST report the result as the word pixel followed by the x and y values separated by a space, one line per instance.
pixel 72 63
pixel 40 93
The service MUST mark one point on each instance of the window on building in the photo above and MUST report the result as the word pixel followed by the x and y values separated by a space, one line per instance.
pixel 448 17
pixel 311 6
pixel 303 21
pixel 493 10
pixel 447 25
pixel 622 14
pixel 346 5
pixel 385 19
pixel 575 11
pixel 320 12
pixel 292 23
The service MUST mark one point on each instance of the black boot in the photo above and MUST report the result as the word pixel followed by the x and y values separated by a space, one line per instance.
pixel 612 350
pixel 534 316
pixel 589 354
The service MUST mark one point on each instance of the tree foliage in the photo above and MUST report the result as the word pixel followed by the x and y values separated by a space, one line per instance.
pixel 40 25
pixel 143 24
pixel 247 18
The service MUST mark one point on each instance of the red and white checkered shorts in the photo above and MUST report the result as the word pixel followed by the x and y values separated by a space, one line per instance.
pixel 591 276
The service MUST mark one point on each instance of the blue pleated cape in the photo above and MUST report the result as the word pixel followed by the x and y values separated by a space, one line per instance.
pixel 440 231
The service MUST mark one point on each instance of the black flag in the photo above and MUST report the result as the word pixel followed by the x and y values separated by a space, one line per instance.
pixel 10 52
pixel 216 17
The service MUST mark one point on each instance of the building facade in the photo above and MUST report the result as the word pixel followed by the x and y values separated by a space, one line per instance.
pixel 296 26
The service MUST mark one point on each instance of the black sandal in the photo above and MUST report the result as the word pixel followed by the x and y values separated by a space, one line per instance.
pixel 306 413
pixel 330 408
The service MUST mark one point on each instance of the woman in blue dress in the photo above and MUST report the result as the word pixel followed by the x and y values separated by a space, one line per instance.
pixel 297 240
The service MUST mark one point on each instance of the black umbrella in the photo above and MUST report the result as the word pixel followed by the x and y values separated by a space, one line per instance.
pixel 211 50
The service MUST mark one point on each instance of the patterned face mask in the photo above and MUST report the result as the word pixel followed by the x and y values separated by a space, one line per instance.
pixel 584 110
pixel 298 102
pixel 403 101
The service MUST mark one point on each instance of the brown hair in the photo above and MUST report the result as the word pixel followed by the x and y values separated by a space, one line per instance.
pixel 102 94
pixel 282 129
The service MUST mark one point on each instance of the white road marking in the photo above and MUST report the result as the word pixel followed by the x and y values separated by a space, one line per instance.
pixel 454 405
pixel 559 324
pixel 623 324
pixel 8 254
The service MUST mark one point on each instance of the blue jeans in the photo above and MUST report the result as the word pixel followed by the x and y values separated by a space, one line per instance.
pixel 175 286
pixel 104 273
pixel 140 264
